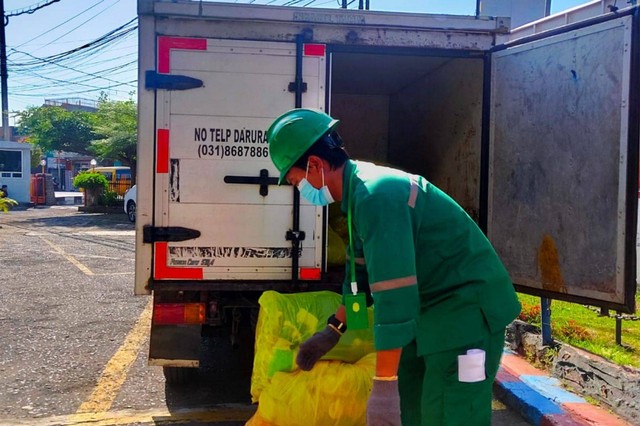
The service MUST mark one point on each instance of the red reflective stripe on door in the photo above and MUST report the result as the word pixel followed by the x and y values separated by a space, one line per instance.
pixel 165 44
pixel 314 49
pixel 162 151
pixel 162 271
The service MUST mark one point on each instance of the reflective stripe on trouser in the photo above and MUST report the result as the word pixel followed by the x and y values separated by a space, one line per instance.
pixel 431 395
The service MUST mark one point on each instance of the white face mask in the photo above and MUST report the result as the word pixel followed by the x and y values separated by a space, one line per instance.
pixel 318 197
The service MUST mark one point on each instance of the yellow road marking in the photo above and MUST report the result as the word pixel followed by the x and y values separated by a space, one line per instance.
pixel 231 413
pixel 67 256
pixel 115 372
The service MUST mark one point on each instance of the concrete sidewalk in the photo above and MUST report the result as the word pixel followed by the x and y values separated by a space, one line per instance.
pixel 541 400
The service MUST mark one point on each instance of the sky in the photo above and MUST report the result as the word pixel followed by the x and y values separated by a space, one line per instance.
pixel 43 62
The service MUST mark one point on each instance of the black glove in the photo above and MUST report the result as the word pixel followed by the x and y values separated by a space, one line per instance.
pixel 383 407
pixel 316 347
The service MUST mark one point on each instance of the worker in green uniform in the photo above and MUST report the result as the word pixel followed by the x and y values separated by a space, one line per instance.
pixel 441 296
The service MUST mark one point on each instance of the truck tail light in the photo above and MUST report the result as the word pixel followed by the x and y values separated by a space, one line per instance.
pixel 310 274
pixel 179 313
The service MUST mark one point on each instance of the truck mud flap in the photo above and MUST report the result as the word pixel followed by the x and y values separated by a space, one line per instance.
pixel 175 345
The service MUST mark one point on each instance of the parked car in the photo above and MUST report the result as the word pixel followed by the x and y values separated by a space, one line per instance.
pixel 130 203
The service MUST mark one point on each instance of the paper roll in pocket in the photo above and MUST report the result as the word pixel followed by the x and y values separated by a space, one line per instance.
pixel 471 366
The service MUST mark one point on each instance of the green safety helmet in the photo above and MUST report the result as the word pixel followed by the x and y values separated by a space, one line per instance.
pixel 293 133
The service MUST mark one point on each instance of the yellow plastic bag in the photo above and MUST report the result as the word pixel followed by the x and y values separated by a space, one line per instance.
pixel 287 320
pixel 333 393
pixel 257 420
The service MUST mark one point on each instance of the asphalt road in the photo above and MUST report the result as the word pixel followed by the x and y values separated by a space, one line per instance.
pixel 74 338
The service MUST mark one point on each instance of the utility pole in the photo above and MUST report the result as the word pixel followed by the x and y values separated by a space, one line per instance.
pixel 4 76
pixel 344 4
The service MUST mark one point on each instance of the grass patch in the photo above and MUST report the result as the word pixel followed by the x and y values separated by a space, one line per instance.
pixel 583 328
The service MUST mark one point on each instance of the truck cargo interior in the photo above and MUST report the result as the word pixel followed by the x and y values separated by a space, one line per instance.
pixel 422 114
pixel 419 113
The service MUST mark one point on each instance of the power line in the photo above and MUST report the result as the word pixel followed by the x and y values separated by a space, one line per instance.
pixel 59 25
pixel 33 87
pixel 49 75
pixel 101 41
pixel 47 94
pixel 75 28
pixel 72 61
pixel 84 64
pixel 82 57
pixel 31 9
pixel 28 86
pixel 66 67
pixel 105 41
pixel 78 61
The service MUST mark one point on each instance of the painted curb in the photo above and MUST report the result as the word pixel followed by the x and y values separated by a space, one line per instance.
pixel 541 400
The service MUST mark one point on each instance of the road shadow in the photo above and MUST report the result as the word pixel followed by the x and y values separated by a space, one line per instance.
pixel 224 376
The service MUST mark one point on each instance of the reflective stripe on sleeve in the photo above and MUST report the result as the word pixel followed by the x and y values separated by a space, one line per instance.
pixel 358 260
pixel 394 283
pixel 413 192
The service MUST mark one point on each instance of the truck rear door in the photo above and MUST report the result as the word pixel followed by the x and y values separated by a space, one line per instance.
pixel 563 162
pixel 213 171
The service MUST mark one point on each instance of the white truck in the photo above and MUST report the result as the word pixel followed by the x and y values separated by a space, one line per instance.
pixel 537 138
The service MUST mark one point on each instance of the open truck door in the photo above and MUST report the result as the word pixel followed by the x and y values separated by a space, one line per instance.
pixel 563 161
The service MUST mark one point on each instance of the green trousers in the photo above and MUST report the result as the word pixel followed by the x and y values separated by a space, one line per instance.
pixel 430 393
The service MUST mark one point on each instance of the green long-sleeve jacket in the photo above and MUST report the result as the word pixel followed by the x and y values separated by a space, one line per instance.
pixel 433 275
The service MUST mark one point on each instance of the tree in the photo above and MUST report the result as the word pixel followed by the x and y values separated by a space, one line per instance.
pixel 36 155
pixel 110 133
pixel 56 129
pixel 116 129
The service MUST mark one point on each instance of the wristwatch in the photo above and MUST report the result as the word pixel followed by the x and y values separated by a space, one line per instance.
pixel 335 323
